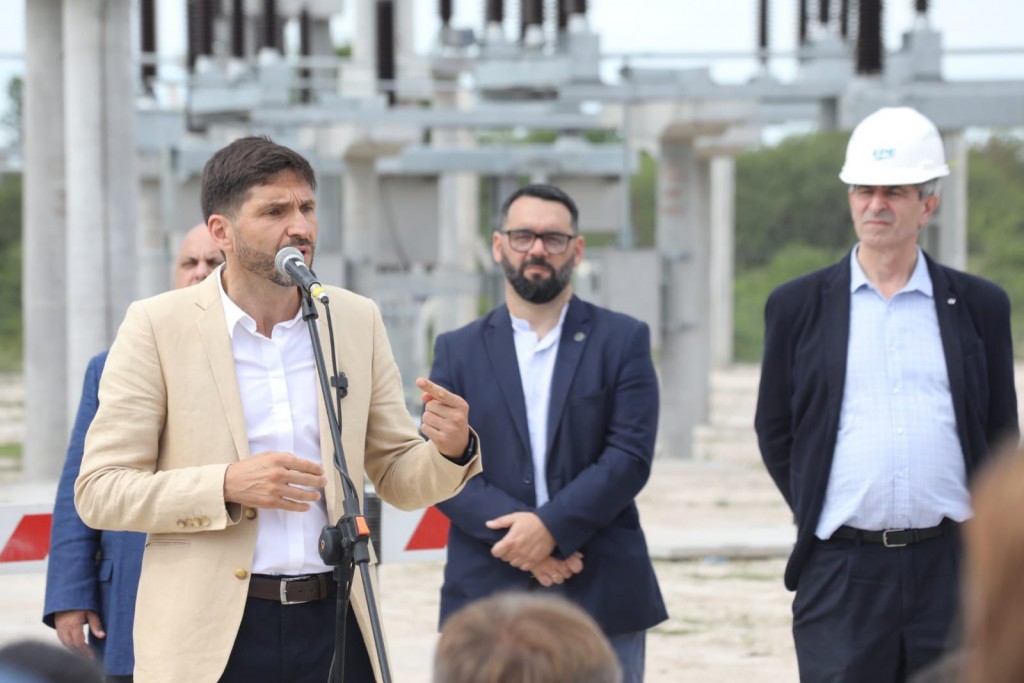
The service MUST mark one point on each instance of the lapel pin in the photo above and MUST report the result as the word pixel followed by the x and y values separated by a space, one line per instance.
pixel 951 301
pixel 579 336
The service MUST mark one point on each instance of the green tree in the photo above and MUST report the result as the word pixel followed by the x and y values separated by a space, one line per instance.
pixel 791 193
pixel 10 274
pixel 995 220
pixel 643 191
pixel 14 115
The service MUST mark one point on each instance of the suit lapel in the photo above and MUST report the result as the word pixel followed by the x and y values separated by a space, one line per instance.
pixel 947 306
pixel 332 493
pixel 835 302
pixel 501 351
pixel 217 343
pixel 575 333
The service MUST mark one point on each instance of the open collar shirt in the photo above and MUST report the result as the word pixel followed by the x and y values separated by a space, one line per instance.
pixel 898 462
pixel 277 383
pixel 536 358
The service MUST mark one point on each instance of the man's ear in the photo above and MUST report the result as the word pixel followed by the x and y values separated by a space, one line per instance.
pixel 496 246
pixel 930 205
pixel 220 230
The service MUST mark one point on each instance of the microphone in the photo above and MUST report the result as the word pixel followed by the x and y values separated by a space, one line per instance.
pixel 289 262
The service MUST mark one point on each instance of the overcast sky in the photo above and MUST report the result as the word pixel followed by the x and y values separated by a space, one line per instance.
pixel 666 25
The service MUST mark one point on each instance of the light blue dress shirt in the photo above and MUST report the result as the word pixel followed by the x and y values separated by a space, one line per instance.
pixel 898 462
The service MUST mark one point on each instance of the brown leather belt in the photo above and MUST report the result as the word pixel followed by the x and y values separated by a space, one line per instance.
pixel 291 590
pixel 894 538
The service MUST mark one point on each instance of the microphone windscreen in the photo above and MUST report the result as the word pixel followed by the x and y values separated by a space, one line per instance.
pixel 287 254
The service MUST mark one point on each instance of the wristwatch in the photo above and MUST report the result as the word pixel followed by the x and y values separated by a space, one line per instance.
pixel 468 454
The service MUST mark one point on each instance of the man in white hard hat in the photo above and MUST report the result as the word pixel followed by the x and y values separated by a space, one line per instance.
pixel 886 381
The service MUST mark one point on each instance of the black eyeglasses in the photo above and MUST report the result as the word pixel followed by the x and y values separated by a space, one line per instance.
pixel 522 240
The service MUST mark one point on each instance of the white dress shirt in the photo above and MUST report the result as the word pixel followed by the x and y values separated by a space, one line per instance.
pixel 536 359
pixel 898 462
pixel 278 385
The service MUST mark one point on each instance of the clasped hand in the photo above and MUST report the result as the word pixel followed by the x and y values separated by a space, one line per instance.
pixel 528 545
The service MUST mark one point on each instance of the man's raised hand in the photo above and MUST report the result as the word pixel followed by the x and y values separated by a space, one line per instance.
pixel 445 418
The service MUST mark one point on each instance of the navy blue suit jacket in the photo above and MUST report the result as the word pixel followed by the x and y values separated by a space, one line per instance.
pixel 601 429
pixel 89 569
pixel 803 371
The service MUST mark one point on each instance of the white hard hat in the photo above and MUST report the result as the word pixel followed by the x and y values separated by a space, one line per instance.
pixel 894 146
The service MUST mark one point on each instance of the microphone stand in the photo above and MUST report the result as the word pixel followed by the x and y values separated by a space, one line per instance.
pixel 346 544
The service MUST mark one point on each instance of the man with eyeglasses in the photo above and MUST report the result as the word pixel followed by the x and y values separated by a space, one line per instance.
pixel 565 395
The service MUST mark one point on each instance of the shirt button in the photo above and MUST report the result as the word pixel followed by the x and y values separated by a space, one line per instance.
pixel 241 573
pixel 528 479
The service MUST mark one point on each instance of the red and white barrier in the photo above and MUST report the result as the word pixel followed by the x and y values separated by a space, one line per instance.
pixel 24 536
pixel 417 536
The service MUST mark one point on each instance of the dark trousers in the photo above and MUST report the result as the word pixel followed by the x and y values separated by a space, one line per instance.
pixel 864 612
pixel 294 644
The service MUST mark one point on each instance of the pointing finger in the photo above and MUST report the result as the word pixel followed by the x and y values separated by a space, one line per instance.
pixel 435 390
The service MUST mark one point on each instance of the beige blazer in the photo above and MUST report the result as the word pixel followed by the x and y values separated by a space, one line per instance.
pixel 169 423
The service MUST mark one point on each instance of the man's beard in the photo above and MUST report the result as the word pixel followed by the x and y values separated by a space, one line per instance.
pixel 541 290
pixel 264 265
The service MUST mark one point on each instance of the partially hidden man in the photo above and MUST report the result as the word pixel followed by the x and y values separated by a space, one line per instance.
pixel 887 380
pixel 211 436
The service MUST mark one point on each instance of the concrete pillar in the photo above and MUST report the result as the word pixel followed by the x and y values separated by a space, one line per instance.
pixel 683 235
pixel 360 207
pixel 153 262
pixel 458 209
pixel 722 266
pixel 99 134
pixel 47 384
pixel 950 227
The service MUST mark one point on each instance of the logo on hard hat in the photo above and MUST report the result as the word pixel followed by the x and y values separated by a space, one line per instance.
pixel 883 154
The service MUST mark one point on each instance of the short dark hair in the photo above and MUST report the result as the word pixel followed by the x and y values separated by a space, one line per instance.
pixel 524 637
pixel 549 193
pixel 247 162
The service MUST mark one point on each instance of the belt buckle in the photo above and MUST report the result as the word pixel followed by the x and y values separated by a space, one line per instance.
pixel 885 538
pixel 285 580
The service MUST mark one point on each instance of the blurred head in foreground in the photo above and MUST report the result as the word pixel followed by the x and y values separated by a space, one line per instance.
pixel 524 638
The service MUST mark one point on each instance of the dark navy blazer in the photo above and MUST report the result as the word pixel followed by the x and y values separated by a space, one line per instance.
pixel 807 324
pixel 601 429
pixel 89 569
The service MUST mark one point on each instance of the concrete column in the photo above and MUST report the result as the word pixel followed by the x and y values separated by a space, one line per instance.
pixel 458 208
pixel 723 247
pixel 43 240
pixel 683 235
pixel 950 227
pixel 154 261
pixel 101 178
pixel 360 202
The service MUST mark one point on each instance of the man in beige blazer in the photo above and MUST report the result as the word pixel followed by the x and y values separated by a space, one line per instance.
pixel 198 382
